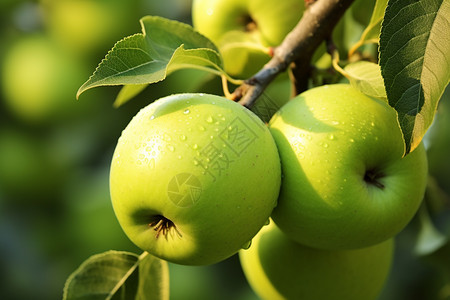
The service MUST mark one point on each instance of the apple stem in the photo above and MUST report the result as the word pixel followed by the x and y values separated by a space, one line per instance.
pixel 371 177
pixel 162 226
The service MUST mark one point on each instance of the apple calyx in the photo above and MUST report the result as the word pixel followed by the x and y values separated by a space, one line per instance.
pixel 163 226
pixel 249 23
pixel 372 177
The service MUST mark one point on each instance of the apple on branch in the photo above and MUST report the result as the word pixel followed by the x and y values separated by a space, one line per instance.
pixel 245 30
pixel 194 177
pixel 278 268
pixel 345 181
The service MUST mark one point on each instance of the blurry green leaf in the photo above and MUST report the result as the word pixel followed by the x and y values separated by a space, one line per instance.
pixel 347 32
pixel 127 92
pixel 415 62
pixel 366 77
pixel 372 31
pixel 119 275
pixel 163 47
pixel 429 239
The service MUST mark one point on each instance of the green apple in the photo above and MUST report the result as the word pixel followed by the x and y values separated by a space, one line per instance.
pixel 245 30
pixel 345 181
pixel 194 177
pixel 89 27
pixel 278 268
pixel 39 81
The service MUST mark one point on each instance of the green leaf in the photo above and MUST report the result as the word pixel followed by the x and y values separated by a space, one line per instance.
pixel 119 275
pixel 128 92
pixel 429 239
pixel 372 30
pixel 415 62
pixel 163 47
pixel 366 77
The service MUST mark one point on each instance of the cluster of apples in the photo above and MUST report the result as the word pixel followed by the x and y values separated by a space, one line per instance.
pixel 195 177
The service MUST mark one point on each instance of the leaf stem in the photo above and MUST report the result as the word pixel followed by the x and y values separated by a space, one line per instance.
pixel 336 66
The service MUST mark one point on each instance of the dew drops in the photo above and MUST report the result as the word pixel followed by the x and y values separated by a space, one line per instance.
pixel 152 117
pixel 201 128
pixel 351 140
pixel 180 157
pixel 171 148
pixel 331 136
pixel 186 111
pixel 209 119
pixel 152 163
pixel 195 146
pixel 182 137
pixel 196 162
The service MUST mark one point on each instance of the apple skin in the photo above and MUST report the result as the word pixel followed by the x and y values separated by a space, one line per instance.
pixel 244 30
pixel 205 163
pixel 278 268
pixel 332 140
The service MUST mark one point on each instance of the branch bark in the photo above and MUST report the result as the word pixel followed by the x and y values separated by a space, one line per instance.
pixel 296 50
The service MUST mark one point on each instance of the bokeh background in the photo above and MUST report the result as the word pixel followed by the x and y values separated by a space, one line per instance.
pixel 55 154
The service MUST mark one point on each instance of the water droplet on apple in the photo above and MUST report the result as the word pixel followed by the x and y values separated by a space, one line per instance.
pixel 186 111
pixel 182 137
pixel 171 148
pixel 331 136
pixel 267 222
pixel 152 163
pixel 195 146
pixel 195 162
pixel 201 128
pixel 152 117
pixel 351 140
pixel 179 157
pixel 209 119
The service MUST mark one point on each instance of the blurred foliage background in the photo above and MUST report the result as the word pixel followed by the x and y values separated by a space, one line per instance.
pixel 55 153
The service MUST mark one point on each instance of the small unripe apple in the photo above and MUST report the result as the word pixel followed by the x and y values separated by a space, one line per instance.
pixel 345 181
pixel 39 80
pixel 245 30
pixel 278 268
pixel 194 177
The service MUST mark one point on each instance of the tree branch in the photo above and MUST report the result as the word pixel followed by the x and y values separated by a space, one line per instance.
pixel 299 46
